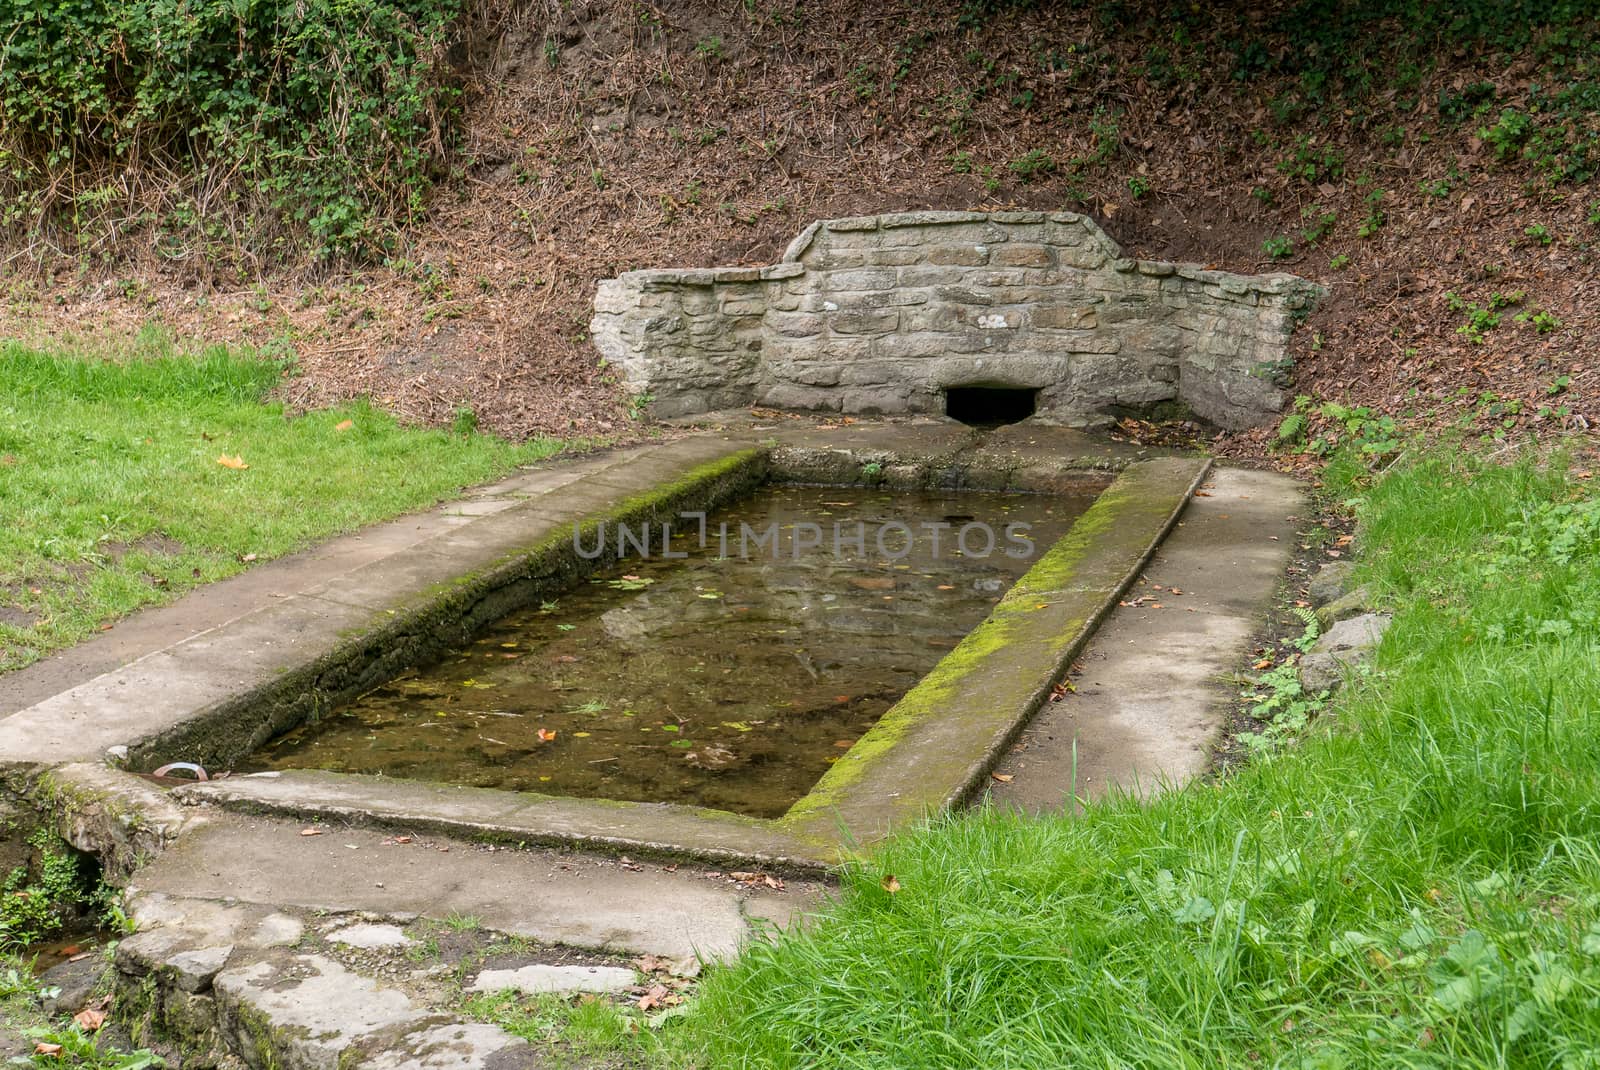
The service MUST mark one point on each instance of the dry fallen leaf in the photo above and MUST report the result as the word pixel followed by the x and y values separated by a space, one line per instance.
pixel 232 462
pixel 546 735
pixel 1004 778
pixel 42 1048
pixel 89 1020
pixel 656 997
pixel 311 832
pixel 344 425
pixel 890 884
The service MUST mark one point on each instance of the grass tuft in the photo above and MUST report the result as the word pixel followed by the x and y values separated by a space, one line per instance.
pixel 114 498
pixel 1417 885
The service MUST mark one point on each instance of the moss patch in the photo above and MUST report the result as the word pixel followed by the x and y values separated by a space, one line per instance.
pixel 1079 576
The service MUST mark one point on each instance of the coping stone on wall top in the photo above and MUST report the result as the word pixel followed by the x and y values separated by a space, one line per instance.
pixel 801 243
pixel 853 222
pixel 929 219
pixel 659 278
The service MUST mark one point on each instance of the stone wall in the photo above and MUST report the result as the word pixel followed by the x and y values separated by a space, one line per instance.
pixel 881 314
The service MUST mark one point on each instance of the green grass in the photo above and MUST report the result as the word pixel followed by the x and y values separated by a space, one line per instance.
pixel 113 497
pixel 1416 885
pixel 18 1009
pixel 586 1026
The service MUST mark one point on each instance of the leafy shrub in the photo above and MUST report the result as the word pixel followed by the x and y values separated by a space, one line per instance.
pixel 1035 163
pixel 325 119
pixel 33 906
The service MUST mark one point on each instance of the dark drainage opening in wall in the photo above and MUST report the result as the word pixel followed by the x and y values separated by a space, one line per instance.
pixel 990 406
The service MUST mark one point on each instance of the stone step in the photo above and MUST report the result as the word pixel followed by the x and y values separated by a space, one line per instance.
pixel 575 899
pixel 223 979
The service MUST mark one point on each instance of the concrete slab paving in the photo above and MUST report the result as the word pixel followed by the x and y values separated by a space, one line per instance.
pixel 539 979
pixel 1156 680
pixel 369 935
pixel 583 901
pixel 510 816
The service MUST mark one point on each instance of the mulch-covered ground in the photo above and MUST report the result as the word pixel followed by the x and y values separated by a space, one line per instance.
pixel 605 135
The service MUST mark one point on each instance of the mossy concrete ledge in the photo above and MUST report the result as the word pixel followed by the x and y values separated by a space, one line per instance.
pixel 939 742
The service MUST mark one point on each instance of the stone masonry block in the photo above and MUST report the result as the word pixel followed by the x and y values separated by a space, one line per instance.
pixel 864 279
pixel 797 324
pixel 867 321
pixel 896 256
pixel 929 275
pixel 1013 255
pixel 964 255
pixel 1065 317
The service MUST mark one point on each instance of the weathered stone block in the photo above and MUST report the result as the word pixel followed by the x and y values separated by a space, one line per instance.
pixel 913 345
pixel 797 324
pixel 1078 341
pixel 816 374
pixel 838 259
pixel 867 321
pixel 1013 255
pixel 923 275
pixel 863 279
pixel 1013 218
pixel 998 321
pixel 796 396
pixel 897 256
pixel 963 295
pixel 744 306
pixel 1065 317
pixel 833 237
pixel 876 400
pixel 663 325
pixel 842 348
pixel 1007 277
pixel 935 317
pixel 1085 257
pixel 964 255
pixel 1158 339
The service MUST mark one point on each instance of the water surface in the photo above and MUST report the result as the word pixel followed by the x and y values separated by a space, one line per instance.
pixel 715 680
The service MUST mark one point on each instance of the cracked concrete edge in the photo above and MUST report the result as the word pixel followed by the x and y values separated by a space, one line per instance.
pixel 121 819
pixel 648 830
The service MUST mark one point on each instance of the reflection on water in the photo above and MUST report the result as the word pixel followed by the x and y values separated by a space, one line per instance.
pixel 715 681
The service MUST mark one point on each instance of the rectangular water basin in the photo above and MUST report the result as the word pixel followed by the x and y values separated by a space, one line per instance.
pixel 730 675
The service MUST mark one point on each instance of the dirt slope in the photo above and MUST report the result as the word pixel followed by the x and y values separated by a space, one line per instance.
pixel 606 135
